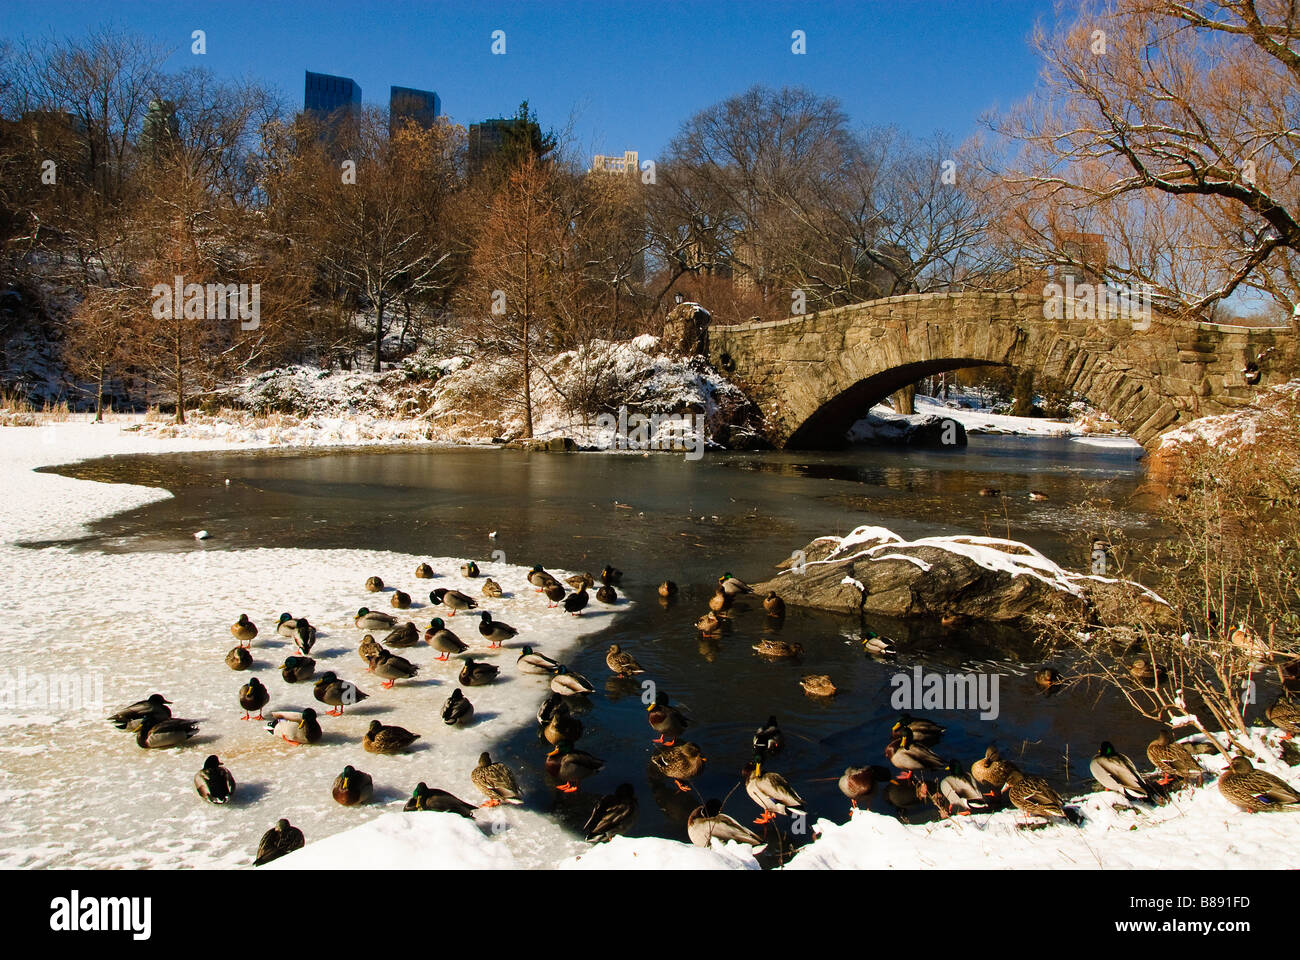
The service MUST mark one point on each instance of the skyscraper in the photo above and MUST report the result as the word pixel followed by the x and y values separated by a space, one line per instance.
pixel 405 103
pixel 325 95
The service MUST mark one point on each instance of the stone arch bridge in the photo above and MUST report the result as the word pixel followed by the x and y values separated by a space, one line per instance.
pixel 813 376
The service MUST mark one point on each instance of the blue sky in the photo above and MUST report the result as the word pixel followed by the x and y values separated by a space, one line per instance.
pixel 625 75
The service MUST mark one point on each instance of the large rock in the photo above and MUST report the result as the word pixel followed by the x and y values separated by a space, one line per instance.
pixel 686 330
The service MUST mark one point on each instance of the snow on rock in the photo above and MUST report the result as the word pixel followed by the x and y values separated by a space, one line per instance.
pixel 639 853
pixel 405 841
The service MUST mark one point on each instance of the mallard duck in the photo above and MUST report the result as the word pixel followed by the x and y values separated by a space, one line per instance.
pixel 469 569
pixel 1047 678
pixel 1255 790
pixel 253 696
pixel 155 707
pixel 733 586
pixel 239 658
pixel 1034 796
pixel 923 731
pixel 571 766
pixel 721 601
pixel 909 756
pixel 406 635
pixel 778 649
pixel 904 793
pixel 296 728
pixel 818 685
pixel 607 594
pixel 438 801
pixel 859 782
pixel 390 668
pixel 1037 495
pixel 709 623
pixel 424 572
pixel 352 787
pixel 1285 715
pixel 1147 674
pixel 1172 759
pixel 299 630
pixel 374 584
pixel 575 602
pixel 495 632
pixel 990 492
pixel 475 674
pixel 297 669
pixel 554 594
pixel 580 580
pixel 562 725
pixel 159 732
pixel 707 823
pixel 872 642
pixel 621 662
pixel 990 771
pixel 611 577
pixel 244 630
pixel 768 739
pixel 958 795
pixel 1114 771
pixel 533 662
pixel 214 783
pixel 281 839
pixel 774 605
pixel 287 626
pixel 369 647
pixel 457 710
pixel 492 589
pixel 1249 642
pixel 400 600
pixel 683 761
pixel 613 814
pixel 367 619
pixel 569 684
pixel 380 738
pixel 666 720
pixel 443 640
pixel 336 693
pixel 495 781
pixel 540 579
pixel 453 600
pixel 548 707
pixel 771 791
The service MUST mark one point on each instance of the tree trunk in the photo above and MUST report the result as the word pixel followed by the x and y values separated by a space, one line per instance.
pixel 180 384
pixel 1024 401
pixel 905 400
pixel 379 332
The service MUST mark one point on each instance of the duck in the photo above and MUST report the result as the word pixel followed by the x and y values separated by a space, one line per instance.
pixel 904 793
pixel 239 658
pixel 530 661
pixel 1037 495
pixel 280 839
pixel 873 643
pixel 540 579
pixel 774 605
pixel 352 787
pixel 374 584
pixel 611 577
pixel 684 761
pixel 390 668
pixel 296 728
pixel 771 791
pixel 607 594
pixel 621 662
pixel 336 693
pixel 424 572
pixel 1255 790
pixel 991 771
pixel 495 781
pixel 707 822
pixel 733 586
pixel 667 589
pixel 858 782
pixel 818 685
pixel 1147 674
pixel 155 706
pixel 443 640
pixel 958 795
pixel 1114 771
pixel 571 766
pixel 297 669
pixel 1173 759
pixel 666 720
pixel 453 600
pixel 1034 796
pixel 580 580
pixel 1285 715
pixel 562 725
pixel 990 492
pixel 575 602
pixel 569 684
pixel 244 630
pixel 778 649
pixel 492 589
pixel 369 647
pixel 404 636
pixel 709 623
pixel 911 757
pixel 1249 642
pixel 613 815
pixel 548 707
pixel 400 599
pixel 424 797
pixel 495 632
pixel 161 732
pixel 381 738
pixel 457 710
pixel 922 730
pixel 253 696
pixel 299 630
pixel 721 601
pixel 555 594
pixel 287 626
pixel 469 570
pixel 476 674
pixel 768 739
pixel 1047 678
pixel 214 783
pixel 367 619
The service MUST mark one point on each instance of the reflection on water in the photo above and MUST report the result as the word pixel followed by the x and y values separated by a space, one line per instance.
pixel 663 517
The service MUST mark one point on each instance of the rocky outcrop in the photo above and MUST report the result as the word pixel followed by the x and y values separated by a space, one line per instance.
pixel 686 330
pixel 930 430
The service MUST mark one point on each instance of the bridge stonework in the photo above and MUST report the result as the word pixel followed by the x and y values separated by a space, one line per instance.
pixel 813 376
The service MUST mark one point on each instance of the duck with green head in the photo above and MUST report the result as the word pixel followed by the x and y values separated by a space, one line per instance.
pixel 155 707
pixel 253 696
pixel 352 787
pixel 666 720
pixel 424 797
pixel 457 710
pixel 367 619
pixel 495 632
pixel 539 664
pixel 771 791
pixel 569 684
pixel 453 600
pixel 443 640
pixel 297 669
pixel 214 783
